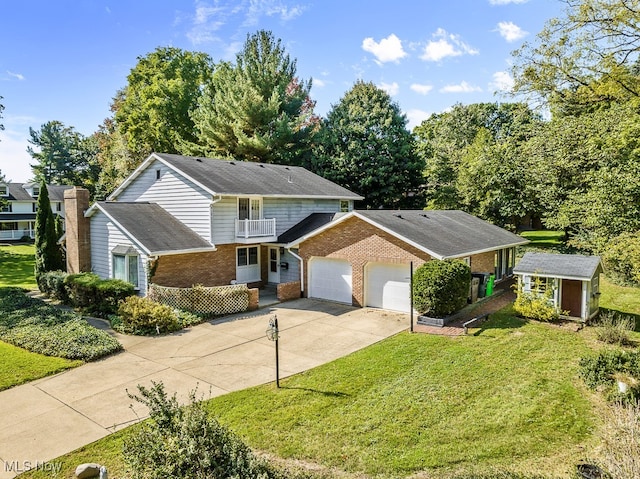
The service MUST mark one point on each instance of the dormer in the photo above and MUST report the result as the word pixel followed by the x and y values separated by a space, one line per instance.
pixel 4 190
pixel 33 189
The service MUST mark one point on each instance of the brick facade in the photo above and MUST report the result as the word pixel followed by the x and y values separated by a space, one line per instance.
pixel 483 262
pixel 360 243
pixel 288 291
pixel 78 244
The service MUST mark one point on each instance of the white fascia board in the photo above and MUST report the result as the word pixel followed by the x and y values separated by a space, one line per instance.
pixel 331 224
pixel 145 164
pixel 486 250
pixel 183 251
pixel 549 275
pixel 123 229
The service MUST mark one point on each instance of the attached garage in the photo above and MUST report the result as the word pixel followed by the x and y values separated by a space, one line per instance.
pixel 330 278
pixel 387 286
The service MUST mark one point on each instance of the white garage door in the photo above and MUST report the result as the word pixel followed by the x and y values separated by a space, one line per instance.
pixel 388 286
pixel 330 279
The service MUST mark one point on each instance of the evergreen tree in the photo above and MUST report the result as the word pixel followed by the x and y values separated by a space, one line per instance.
pixel 48 254
pixel 257 109
pixel 364 146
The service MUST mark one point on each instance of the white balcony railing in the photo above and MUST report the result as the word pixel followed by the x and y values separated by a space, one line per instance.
pixel 255 228
pixel 16 234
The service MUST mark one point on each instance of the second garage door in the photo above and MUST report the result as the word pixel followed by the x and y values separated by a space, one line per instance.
pixel 388 286
pixel 330 279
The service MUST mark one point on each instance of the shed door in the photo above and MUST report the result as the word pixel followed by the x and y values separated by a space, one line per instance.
pixel 330 279
pixel 572 297
pixel 388 286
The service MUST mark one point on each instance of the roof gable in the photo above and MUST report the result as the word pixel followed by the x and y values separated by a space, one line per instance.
pixel 233 178
pixel 565 266
pixel 153 228
pixel 18 192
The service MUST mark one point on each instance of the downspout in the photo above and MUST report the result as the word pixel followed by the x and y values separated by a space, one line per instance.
pixel 213 202
pixel 301 269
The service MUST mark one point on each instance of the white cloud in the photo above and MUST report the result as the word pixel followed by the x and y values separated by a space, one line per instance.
pixel 416 117
pixel 18 76
pixel 270 8
pixel 318 82
pixel 511 32
pixel 422 89
pixel 387 50
pixel 446 45
pixel 391 88
pixel 506 2
pixel 502 81
pixel 462 87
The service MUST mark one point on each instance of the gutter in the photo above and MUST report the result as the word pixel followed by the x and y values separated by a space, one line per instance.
pixel 301 268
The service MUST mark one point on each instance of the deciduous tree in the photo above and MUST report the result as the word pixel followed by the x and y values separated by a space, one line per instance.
pixel 364 145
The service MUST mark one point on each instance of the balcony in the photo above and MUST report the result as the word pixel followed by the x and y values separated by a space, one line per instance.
pixel 14 235
pixel 256 231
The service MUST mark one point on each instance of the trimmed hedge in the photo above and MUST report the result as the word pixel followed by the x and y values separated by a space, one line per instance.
pixel 441 288
pixel 52 284
pixel 41 328
pixel 94 295
pixel 144 316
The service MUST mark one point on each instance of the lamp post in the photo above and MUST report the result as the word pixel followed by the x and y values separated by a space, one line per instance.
pixel 272 335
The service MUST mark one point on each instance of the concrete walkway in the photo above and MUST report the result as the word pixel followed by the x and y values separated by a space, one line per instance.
pixel 44 419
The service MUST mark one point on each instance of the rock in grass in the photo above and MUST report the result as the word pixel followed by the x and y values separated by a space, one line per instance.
pixel 87 470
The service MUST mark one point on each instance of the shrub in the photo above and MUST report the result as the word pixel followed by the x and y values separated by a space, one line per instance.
pixel 185 442
pixel 441 288
pixel 614 329
pixel 622 259
pixel 602 370
pixel 538 306
pixel 53 284
pixel 621 441
pixel 41 328
pixel 144 316
pixel 94 295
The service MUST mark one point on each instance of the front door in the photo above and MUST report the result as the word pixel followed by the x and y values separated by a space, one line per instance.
pixel 274 265
pixel 572 297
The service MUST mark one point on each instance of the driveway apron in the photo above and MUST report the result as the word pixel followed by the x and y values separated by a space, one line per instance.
pixel 44 419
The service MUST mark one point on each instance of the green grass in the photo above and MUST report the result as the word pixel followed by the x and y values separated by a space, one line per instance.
pixel 507 397
pixel 19 366
pixel 16 266
pixel 623 299
pixel 543 238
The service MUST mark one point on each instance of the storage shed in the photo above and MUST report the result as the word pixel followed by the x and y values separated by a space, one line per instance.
pixel 574 279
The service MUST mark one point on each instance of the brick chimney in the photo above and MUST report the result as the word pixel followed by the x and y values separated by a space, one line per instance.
pixel 76 202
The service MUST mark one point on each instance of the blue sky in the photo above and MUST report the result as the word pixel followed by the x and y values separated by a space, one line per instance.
pixel 64 60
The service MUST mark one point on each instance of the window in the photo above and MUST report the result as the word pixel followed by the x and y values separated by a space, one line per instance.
pixel 9 226
pixel 58 206
pixel 248 256
pixel 344 206
pixel 538 284
pixel 249 209
pixel 36 191
pixel 158 173
pixel 34 207
pixel 125 267
pixel 4 191
pixel 6 208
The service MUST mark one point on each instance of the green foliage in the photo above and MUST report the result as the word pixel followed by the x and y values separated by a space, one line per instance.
pixel 52 284
pixel 38 327
pixel 441 288
pixel 621 259
pixel 536 305
pixel 153 112
pixel 144 316
pixel 185 442
pixel 614 328
pixel 87 291
pixel 604 369
pixel 48 253
pixel 364 146
pixel 257 109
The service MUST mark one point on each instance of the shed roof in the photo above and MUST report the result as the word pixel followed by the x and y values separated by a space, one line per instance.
pixel 153 228
pixel 231 177
pixel 307 225
pixel 565 266
pixel 440 233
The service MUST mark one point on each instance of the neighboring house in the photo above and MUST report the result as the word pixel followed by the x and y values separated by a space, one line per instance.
pixel 18 213
pixel 183 221
pixel 574 280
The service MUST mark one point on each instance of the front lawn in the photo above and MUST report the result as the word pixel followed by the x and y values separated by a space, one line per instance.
pixel 506 397
pixel 19 366
pixel 543 238
pixel 16 266
pixel 620 298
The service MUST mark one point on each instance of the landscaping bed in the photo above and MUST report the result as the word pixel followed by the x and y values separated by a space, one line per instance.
pixel 42 328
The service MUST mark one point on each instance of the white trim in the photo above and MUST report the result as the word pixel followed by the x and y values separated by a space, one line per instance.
pixel 257 266
pixel 543 275
pixel 143 166
pixel 487 250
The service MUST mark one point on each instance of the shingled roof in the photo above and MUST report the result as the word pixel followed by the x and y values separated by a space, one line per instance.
pixel 18 192
pixel 224 177
pixel 565 266
pixel 440 233
pixel 153 228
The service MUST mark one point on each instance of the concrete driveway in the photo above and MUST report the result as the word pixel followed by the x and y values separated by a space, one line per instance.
pixel 49 417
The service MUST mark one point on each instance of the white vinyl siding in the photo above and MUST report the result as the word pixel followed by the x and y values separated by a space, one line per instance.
pixel 105 236
pixel 292 273
pixel 179 196
pixel 290 211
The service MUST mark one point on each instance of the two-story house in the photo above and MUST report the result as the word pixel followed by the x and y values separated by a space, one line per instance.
pixel 18 212
pixel 180 221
